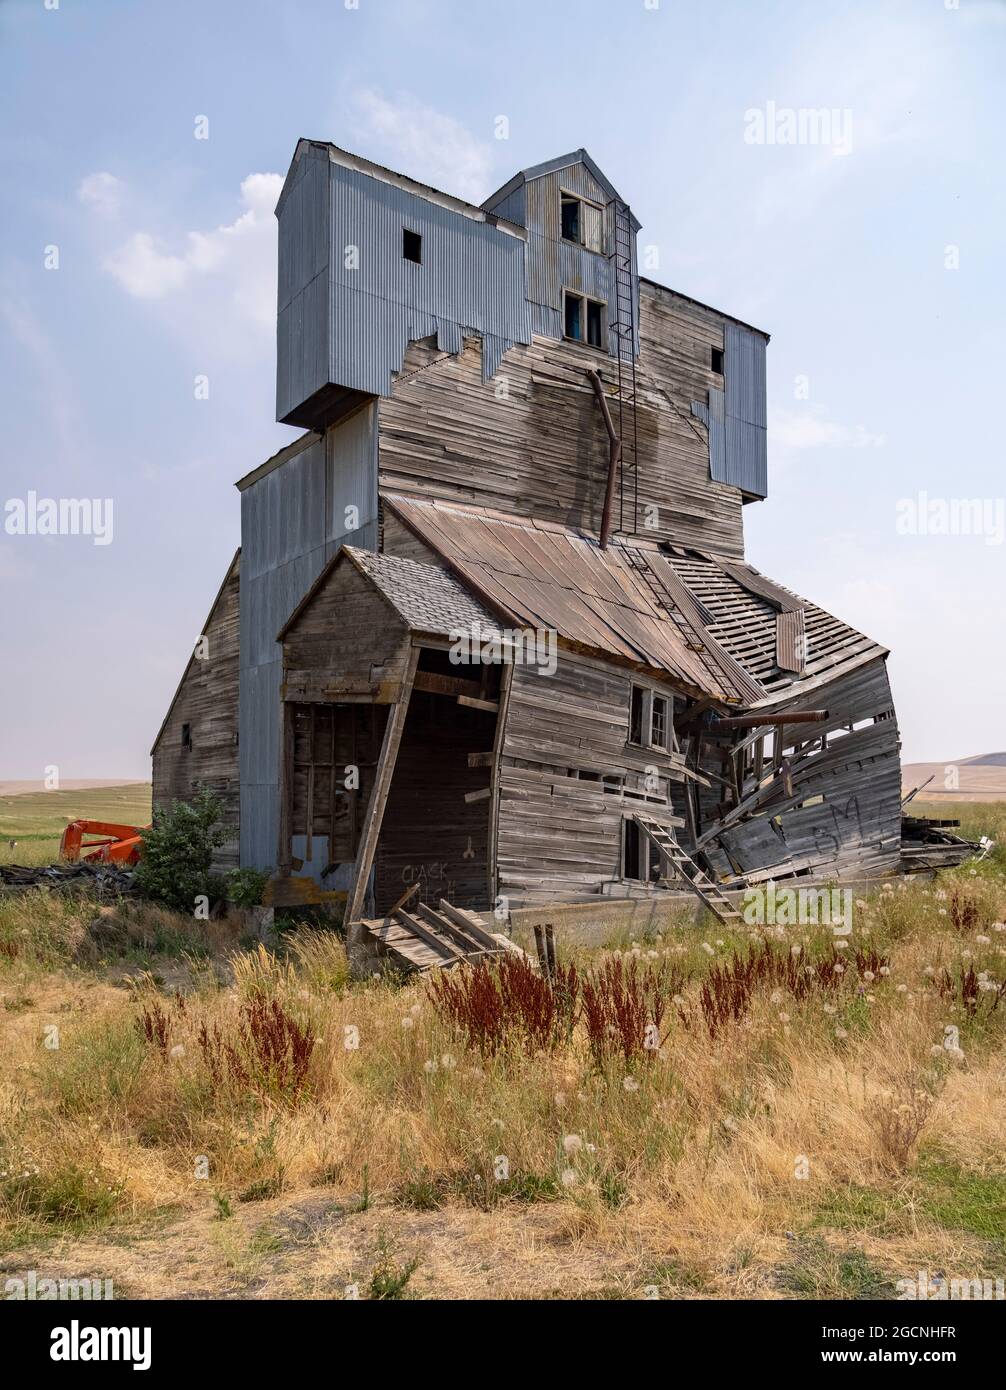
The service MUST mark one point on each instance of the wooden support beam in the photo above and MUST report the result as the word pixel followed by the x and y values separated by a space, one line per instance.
pixel 435 684
pixel 284 850
pixel 506 682
pixel 614 456
pixel 492 706
pixel 756 721
pixel 379 795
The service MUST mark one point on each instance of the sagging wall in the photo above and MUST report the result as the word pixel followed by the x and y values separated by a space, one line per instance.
pixel 533 442
pixel 199 740
pixel 843 814
pixel 344 658
pixel 294 517
pixel 559 830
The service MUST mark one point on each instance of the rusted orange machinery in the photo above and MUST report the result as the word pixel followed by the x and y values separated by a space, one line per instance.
pixel 120 844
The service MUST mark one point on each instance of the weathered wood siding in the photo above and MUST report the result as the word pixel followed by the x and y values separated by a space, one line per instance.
pixel 206 701
pixel 533 442
pixel 841 810
pixel 559 833
pixel 347 639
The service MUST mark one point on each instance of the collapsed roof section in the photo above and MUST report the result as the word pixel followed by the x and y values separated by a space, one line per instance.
pixel 788 645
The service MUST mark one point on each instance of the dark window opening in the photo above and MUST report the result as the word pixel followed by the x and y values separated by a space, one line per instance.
pixel 717 360
pixel 658 724
pixel 412 246
pixel 186 736
pixel 630 850
pixel 574 317
pixel 593 323
pixel 636 716
pixel 571 219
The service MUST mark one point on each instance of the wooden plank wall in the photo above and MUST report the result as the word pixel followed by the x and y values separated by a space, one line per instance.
pixel 559 832
pixel 207 700
pixel 347 636
pixel 532 441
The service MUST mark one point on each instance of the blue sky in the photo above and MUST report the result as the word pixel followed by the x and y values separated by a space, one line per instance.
pixel 877 269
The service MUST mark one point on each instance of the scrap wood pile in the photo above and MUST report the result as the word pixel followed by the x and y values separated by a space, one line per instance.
pixel 105 878
pixel 426 938
pixel 931 844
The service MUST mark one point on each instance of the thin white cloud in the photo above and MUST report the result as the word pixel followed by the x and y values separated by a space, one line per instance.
pixel 421 141
pixel 812 429
pixel 221 280
pixel 103 192
pixel 146 272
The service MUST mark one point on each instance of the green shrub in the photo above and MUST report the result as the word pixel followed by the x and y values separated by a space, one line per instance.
pixel 178 849
pixel 246 886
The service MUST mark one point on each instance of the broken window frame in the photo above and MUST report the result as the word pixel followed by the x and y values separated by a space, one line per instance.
pixel 717 360
pixel 585 303
pixel 416 244
pixel 187 738
pixel 595 242
pixel 640 849
pixel 646 696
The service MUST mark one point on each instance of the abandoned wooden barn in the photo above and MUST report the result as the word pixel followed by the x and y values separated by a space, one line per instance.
pixel 498 638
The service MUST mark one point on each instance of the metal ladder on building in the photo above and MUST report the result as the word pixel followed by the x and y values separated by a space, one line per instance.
pixel 683 866
pixel 625 339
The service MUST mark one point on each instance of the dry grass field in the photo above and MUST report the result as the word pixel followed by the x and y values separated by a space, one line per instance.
pixel 35 820
pixel 193 1116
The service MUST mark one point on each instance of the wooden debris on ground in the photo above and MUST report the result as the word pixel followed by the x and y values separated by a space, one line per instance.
pixel 931 844
pixel 426 938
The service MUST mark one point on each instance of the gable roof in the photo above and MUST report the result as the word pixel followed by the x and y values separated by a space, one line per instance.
pixel 551 166
pixel 381 172
pixel 426 597
pixel 623 603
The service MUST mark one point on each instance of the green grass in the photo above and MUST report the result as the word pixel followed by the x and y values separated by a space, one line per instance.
pixel 819 1270
pixel 962 1201
pixel 37 819
pixel 950 1197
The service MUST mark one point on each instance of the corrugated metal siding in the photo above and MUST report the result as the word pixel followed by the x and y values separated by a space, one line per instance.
pixel 554 265
pixel 736 419
pixel 303 290
pixel 292 521
pixel 351 326
pixel 472 278
pixel 746 424
pixel 512 207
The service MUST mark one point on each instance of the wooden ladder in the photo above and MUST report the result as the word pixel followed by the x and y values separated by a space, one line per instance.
pixel 683 866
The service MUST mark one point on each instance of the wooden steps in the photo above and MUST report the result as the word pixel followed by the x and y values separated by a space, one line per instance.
pixel 680 865
pixel 426 938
